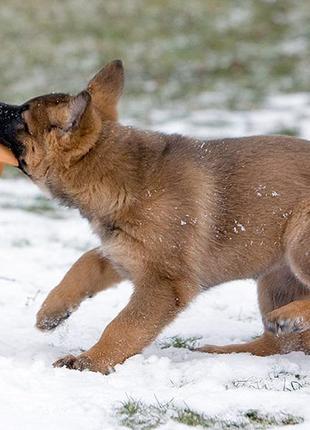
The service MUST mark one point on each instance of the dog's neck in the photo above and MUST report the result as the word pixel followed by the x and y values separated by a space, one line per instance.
pixel 104 178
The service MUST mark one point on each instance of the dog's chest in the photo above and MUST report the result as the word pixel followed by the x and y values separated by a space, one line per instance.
pixel 103 229
pixel 116 245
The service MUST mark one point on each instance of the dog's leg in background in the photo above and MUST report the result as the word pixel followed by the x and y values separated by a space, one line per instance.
pixel 275 290
pixel 89 275
pixel 295 316
pixel 154 303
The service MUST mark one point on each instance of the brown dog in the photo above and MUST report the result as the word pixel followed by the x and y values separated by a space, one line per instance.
pixel 175 215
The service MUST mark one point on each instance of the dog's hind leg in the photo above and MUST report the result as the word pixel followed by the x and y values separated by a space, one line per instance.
pixel 264 345
pixel 89 275
pixel 294 317
pixel 276 290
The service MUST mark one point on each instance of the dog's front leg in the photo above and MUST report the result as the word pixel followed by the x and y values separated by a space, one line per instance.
pixel 154 303
pixel 89 275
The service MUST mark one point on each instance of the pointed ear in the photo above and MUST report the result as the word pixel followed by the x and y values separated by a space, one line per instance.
pixel 76 109
pixel 106 88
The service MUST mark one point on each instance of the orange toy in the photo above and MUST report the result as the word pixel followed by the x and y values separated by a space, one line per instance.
pixel 6 157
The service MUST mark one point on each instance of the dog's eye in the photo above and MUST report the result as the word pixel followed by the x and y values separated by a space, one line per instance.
pixel 23 127
pixel 52 127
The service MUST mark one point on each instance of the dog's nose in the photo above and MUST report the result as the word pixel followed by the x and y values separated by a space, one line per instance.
pixel 10 120
pixel 9 115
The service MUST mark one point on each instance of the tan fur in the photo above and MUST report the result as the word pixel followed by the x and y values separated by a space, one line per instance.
pixel 89 275
pixel 175 215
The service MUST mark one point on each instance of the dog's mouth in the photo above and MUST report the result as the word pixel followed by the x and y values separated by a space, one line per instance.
pixel 7 156
pixel 11 121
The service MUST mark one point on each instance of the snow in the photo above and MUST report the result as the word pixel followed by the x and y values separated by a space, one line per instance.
pixel 38 245
pixel 280 113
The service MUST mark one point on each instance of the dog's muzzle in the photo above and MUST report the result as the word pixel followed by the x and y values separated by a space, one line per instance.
pixel 11 121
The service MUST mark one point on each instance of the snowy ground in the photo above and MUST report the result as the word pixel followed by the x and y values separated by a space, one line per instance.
pixel 39 242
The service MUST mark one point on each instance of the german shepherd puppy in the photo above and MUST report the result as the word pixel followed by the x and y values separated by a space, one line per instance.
pixel 175 215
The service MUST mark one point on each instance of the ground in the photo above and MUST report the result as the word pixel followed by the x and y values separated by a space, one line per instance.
pixel 213 69
pixel 166 386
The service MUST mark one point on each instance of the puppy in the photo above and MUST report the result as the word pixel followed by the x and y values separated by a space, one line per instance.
pixel 175 215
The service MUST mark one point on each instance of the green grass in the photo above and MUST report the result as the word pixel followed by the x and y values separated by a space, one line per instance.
pixel 179 342
pixel 172 52
pixel 261 421
pixel 191 418
pixel 287 131
pixel 38 205
pixel 137 415
pixel 12 172
pixel 42 206
pixel 21 243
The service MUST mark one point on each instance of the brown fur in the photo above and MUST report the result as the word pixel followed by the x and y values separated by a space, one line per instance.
pixel 175 215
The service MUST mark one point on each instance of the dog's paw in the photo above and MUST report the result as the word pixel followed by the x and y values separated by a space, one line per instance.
pixel 47 320
pixel 287 319
pixel 280 326
pixel 82 362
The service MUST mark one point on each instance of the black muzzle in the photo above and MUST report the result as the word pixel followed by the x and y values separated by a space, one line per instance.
pixel 11 121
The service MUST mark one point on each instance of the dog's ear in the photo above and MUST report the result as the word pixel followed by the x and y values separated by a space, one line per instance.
pixel 76 110
pixel 106 88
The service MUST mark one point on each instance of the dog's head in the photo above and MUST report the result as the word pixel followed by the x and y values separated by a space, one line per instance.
pixel 59 128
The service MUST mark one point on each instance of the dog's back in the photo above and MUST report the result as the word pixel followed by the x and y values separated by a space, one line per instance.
pixel 218 209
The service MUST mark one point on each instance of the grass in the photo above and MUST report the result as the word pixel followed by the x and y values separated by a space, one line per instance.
pixel 260 421
pixel 41 205
pixel 179 342
pixel 38 205
pixel 11 172
pixel 243 50
pixel 287 131
pixel 21 243
pixel 275 381
pixel 191 418
pixel 137 415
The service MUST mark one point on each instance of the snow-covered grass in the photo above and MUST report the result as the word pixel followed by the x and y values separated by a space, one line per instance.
pixel 167 386
pixel 242 50
pixel 138 416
